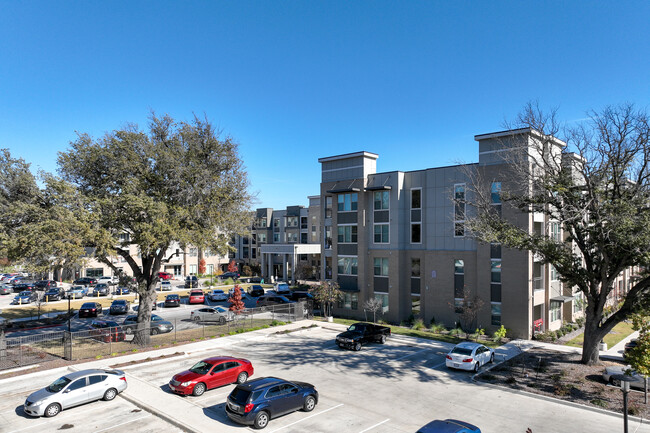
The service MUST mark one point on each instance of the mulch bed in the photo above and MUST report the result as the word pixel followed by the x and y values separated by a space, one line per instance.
pixel 140 361
pixel 561 375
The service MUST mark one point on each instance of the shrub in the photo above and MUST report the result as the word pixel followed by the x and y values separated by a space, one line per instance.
pixel 456 332
pixel 499 334
pixel 599 402
pixel 418 324
pixel 511 380
pixel 437 327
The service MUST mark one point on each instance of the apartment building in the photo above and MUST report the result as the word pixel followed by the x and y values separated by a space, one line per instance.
pixel 400 237
pixel 283 243
pixel 178 261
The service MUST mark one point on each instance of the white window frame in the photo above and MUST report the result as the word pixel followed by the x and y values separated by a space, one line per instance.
pixel 351 264
pixel 344 241
pixel 374 240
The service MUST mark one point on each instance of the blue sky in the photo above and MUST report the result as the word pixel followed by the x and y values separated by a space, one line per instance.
pixel 294 81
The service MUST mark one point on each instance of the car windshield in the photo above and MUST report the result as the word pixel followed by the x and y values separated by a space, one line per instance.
pixel 201 367
pixel 88 305
pixel 220 309
pixel 462 351
pixel 119 302
pixel 58 384
pixel 355 328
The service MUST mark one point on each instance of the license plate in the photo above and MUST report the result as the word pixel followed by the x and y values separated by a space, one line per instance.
pixel 172 387
pixel 456 364
pixel 233 406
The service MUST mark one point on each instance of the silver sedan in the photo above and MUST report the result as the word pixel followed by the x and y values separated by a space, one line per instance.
pixel 212 314
pixel 74 389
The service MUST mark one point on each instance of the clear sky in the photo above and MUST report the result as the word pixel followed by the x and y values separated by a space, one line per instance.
pixel 294 81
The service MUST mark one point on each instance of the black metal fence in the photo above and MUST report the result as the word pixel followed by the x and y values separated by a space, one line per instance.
pixel 102 342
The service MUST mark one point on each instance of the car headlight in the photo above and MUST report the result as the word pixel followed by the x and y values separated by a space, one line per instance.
pixel 186 383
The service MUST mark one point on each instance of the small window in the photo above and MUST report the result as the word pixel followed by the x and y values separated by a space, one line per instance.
pixel 416 198
pixel 382 200
pixel 382 233
pixel 77 384
pixel 97 379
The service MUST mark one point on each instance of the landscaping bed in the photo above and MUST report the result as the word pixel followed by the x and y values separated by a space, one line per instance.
pixel 561 375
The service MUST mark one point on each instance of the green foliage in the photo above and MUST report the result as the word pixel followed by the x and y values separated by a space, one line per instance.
pixel 598 194
pixel 418 324
pixel 479 333
pixel 499 334
pixel 456 332
pixel 437 327
pixel 327 293
pixel 639 356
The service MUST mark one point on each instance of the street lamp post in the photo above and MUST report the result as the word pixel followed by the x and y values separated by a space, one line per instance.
pixel 624 380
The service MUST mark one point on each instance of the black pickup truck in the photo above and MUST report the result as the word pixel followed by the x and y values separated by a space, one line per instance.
pixel 361 333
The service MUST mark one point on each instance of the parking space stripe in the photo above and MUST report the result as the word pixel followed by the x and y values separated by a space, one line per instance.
pixel 121 424
pixel 310 416
pixel 410 354
pixel 376 425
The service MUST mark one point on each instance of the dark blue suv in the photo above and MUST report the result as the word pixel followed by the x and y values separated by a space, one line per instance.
pixel 257 401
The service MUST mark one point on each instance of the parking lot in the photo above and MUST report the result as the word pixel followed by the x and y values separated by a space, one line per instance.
pixel 396 387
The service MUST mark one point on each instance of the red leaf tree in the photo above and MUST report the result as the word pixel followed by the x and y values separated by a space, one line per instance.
pixel 232 266
pixel 236 303
pixel 202 266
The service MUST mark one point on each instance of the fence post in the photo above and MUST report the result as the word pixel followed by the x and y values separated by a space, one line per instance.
pixel 67 345
pixel 175 329
pixel 203 329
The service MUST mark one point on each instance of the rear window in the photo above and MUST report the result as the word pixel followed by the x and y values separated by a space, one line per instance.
pixel 461 351
pixel 121 302
pixel 240 396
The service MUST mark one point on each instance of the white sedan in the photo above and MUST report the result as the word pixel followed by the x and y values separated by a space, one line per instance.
pixel 469 356
pixel 217 295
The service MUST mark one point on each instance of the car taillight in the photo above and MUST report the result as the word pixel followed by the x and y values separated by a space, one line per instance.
pixel 93 309
pixel 123 378
pixel 249 407
pixel 449 357
pixel 468 360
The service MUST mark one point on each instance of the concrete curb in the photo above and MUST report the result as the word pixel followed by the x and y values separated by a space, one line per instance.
pixel 565 402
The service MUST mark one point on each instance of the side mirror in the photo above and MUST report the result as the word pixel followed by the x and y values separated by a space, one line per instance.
pixel 66 391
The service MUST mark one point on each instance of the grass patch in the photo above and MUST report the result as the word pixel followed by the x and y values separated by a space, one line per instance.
pixel 618 333
pixel 429 335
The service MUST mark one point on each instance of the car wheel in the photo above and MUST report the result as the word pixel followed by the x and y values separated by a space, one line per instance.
pixel 615 382
pixel 476 366
pixel 222 320
pixel 129 331
pixel 197 318
pixel 492 358
pixel 261 420
pixel 357 347
pixel 382 339
pixel 154 331
pixel 199 389
pixel 52 410
pixel 241 378
pixel 110 394
pixel 310 403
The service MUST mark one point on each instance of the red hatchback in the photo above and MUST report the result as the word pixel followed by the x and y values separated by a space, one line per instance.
pixel 165 276
pixel 197 297
pixel 211 373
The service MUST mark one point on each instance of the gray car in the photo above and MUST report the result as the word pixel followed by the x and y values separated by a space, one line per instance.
pixel 212 314
pixel 74 389
pixel 610 373
pixel 101 289
pixel 6 289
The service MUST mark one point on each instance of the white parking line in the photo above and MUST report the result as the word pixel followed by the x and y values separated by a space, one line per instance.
pixel 376 425
pixel 310 416
pixel 121 424
pixel 439 365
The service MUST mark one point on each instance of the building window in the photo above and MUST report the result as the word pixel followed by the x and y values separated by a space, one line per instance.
pixel 347 202
pixel 496 313
pixel 381 234
pixel 416 198
pixel 415 268
pixel 245 252
pixel 328 207
pixel 253 253
pixel 555 231
pixel 328 237
pixel 381 267
pixel 495 192
pixel 382 200
pixel 347 234
pixel 383 297
pixel 292 221
pixel 263 222
pixel 192 269
pixel 578 302
pixel 554 274
pixel 276 238
pixel 194 252
pixel 94 272
pixel 459 210
pixel 276 222
pixel 209 269
pixel 124 237
pixel 350 301
pixel 416 233
pixel 261 238
pixel 459 284
pixel 292 237
pixel 555 310
pixel 495 271
pixel 245 240
pixel 303 238
pixel 347 265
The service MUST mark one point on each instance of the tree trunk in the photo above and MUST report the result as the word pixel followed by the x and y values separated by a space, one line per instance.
pixel 593 335
pixel 142 335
